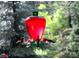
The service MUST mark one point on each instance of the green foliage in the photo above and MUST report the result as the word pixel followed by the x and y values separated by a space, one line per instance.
pixel 54 22
pixel 42 6
pixel 59 21
pixel 40 52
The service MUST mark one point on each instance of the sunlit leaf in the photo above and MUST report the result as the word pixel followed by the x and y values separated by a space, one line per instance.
pixel 42 6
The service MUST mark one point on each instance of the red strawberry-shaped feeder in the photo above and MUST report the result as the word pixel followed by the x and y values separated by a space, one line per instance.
pixel 35 27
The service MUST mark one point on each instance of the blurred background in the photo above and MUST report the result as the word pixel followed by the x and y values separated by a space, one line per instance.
pixel 62 27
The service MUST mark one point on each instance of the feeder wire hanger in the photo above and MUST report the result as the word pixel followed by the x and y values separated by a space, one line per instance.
pixel 34 10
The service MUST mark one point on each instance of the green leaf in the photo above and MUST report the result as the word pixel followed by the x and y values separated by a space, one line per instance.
pixel 42 6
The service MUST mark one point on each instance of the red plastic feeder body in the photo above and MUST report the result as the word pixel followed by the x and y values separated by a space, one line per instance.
pixel 35 27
